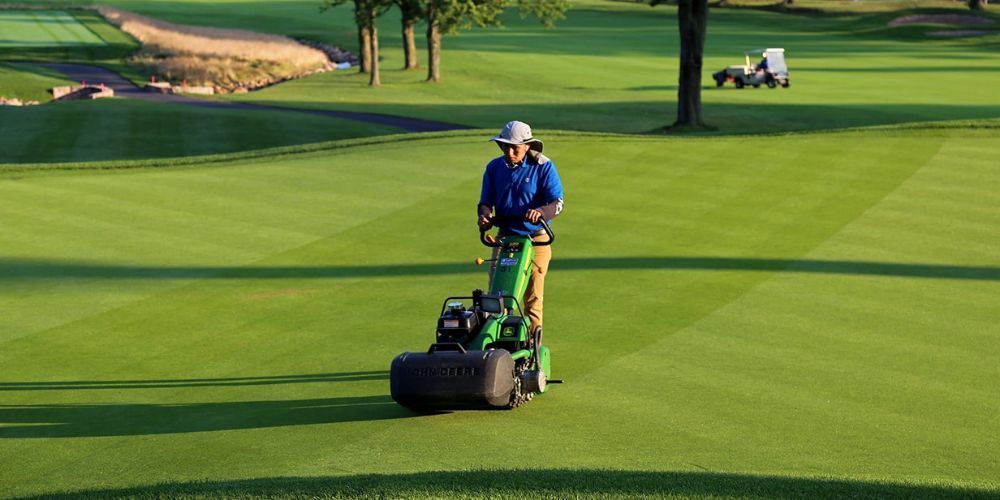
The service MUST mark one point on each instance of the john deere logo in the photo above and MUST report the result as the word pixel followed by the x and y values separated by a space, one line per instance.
pixel 446 371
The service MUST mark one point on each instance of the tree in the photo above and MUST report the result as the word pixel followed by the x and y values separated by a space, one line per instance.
pixel 410 11
pixel 692 22
pixel 372 9
pixel 366 12
pixel 449 16
pixel 978 4
pixel 364 36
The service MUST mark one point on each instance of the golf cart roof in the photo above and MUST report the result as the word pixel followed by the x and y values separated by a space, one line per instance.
pixel 761 51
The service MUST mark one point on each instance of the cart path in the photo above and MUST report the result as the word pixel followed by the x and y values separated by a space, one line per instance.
pixel 126 89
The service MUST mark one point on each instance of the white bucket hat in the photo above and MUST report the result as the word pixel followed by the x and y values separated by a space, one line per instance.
pixel 516 132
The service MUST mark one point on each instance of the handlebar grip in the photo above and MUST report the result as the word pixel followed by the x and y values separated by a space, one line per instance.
pixel 491 242
pixel 548 231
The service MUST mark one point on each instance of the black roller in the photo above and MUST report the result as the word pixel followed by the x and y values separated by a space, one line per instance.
pixel 452 379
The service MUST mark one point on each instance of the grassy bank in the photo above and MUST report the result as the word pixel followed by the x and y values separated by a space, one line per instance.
pixel 29 84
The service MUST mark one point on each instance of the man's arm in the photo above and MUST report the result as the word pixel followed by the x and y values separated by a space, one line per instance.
pixel 485 214
pixel 553 191
pixel 485 207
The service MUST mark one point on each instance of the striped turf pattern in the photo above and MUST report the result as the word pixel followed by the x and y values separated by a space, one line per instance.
pixel 43 28
pixel 829 315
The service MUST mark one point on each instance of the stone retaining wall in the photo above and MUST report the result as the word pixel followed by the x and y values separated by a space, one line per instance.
pixel 77 92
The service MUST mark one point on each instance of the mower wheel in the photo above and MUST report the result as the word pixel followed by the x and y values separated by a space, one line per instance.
pixel 771 84
pixel 738 83
pixel 786 84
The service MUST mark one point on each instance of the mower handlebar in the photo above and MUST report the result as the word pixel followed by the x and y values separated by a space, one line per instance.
pixel 492 242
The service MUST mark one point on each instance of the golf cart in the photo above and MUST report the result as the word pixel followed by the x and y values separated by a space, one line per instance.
pixel 771 71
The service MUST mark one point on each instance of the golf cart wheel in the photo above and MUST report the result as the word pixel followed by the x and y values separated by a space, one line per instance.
pixel 771 84
pixel 738 83
pixel 786 84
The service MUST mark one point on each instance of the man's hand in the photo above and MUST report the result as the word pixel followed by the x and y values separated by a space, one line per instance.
pixel 533 215
pixel 484 222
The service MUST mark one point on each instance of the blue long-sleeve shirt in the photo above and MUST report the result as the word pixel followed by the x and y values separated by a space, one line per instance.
pixel 512 191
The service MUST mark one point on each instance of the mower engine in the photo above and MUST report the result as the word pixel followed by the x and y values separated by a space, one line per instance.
pixel 484 356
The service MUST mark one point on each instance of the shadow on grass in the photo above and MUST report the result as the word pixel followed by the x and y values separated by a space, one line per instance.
pixel 766 114
pixel 31 270
pixel 133 419
pixel 67 53
pixel 193 382
pixel 543 483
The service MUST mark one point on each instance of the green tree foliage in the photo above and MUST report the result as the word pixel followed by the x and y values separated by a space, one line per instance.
pixel 449 16
pixel 547 11
pixel 366 12
pixel 444 17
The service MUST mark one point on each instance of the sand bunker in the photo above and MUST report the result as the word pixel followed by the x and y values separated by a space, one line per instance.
pixel 953 19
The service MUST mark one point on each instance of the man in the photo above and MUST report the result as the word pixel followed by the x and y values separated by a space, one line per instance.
pixel 762 65
pixel 520 188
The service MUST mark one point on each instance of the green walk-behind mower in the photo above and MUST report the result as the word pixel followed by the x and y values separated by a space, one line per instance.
pixel 484 356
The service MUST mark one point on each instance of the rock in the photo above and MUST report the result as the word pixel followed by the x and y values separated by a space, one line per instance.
pixel 333 53
pixel 158 87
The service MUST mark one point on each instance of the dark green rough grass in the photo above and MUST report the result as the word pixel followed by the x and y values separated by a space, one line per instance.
pixel 121 129
pixel 29 84
pixel 542 483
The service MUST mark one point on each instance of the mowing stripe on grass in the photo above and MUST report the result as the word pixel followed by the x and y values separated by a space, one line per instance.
pixel 44 29
pixel 746 368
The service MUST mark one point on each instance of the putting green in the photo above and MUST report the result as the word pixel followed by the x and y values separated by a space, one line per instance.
pixel 43 28
pixel 810 318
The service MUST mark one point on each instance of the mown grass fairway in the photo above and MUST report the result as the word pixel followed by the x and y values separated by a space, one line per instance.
pixel 814 318
pixel 774 314
pixel 41 28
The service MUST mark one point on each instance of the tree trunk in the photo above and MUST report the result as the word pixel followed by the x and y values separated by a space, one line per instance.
pixel 978 4
pixel 433 45
pixel 365 55
pixel 374 80
pixel 409 46
pixel 692 20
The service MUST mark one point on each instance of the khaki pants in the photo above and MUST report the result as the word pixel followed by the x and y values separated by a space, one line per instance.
pixel 534 294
